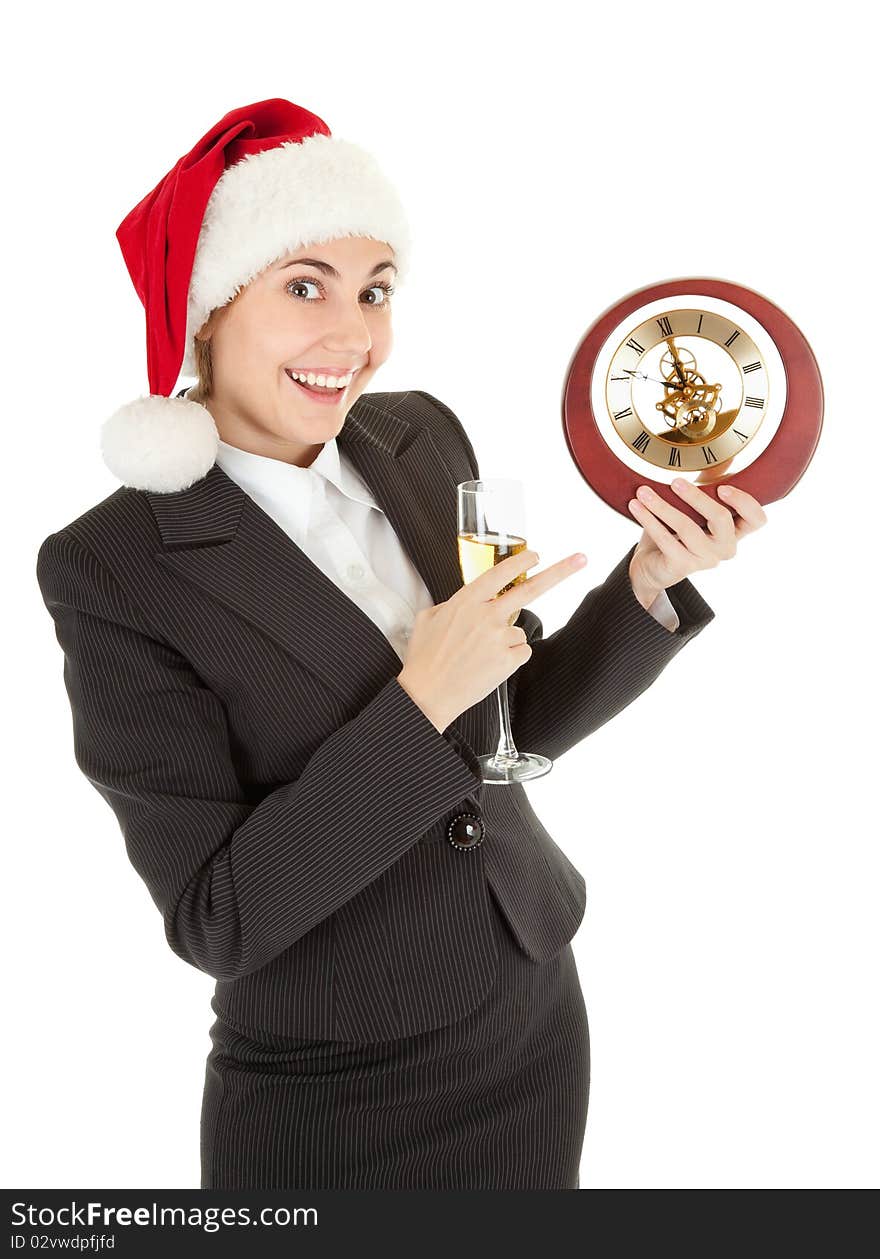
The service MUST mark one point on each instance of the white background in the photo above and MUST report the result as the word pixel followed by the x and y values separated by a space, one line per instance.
pixel 552 159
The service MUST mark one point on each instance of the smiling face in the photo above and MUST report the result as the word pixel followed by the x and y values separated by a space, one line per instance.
pixel 322 308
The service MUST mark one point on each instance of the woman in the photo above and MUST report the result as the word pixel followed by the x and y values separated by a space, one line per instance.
pixel 280 687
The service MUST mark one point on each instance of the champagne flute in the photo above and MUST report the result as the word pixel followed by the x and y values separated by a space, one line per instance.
pixel 491 527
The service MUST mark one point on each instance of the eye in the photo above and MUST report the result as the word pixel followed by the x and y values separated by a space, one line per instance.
pixel 385 289
pixel 301 284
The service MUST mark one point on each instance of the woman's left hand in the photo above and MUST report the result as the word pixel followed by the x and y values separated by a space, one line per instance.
pixel 665 556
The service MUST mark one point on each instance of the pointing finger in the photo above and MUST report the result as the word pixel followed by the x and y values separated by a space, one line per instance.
pixel 533 587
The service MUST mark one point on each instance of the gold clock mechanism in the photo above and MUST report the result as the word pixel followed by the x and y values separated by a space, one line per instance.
pixel 692 405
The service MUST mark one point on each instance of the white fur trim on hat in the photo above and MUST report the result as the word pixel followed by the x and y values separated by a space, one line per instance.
pixel 270 203
pixel 160 444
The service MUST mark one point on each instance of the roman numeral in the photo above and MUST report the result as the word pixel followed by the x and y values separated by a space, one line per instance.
pixel 634 345
pixel 665 326
pixel 742 436
pixel 642 441
pixel 620 377
pixel 752 367
pixel 730 340
pixel 709 454
pixel 755 402
pixel 621 415
pixel 700 324
pixel 675 457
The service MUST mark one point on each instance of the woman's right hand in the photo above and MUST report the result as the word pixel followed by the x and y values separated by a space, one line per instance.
pixel 462 649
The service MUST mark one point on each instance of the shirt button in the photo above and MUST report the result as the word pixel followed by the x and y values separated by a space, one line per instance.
pixel 356 571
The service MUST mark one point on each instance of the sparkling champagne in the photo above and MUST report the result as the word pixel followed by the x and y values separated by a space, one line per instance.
pixel 478 552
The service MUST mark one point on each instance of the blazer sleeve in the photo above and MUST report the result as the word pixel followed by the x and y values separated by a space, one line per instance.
pixel 608 652
pixel 237 882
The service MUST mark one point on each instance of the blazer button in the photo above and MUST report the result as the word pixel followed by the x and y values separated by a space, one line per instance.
pixel 466 830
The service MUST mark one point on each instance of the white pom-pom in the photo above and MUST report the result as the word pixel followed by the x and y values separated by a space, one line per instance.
pixel 160 444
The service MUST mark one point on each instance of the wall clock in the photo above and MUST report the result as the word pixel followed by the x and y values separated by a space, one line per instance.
pixel 696 378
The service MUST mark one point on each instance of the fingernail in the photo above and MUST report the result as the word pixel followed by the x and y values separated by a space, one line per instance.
pixel 579 559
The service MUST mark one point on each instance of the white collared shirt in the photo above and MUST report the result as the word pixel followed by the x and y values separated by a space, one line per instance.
pixel 329 512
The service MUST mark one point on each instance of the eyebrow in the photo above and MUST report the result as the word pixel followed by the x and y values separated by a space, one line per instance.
pixel 328 270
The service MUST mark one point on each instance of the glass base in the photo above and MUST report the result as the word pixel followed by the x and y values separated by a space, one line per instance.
pixel 526 765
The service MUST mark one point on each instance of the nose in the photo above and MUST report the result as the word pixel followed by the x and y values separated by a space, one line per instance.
pixel 348 333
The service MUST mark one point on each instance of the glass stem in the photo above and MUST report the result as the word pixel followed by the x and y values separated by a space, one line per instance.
pixel 506 752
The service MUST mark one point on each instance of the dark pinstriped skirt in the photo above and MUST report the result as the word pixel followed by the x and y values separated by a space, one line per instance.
pixel 495 1101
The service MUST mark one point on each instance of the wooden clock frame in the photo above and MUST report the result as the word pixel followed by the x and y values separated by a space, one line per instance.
pixel 770 476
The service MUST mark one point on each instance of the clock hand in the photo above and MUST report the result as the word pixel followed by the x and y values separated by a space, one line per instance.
pixel 644 376
pixel 676 360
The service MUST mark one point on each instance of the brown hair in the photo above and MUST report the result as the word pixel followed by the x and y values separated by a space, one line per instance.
pixel 204 371
pixel 202 354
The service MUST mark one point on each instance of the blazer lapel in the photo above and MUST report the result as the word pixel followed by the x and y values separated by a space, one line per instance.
pixel 218 539
pixel 412 485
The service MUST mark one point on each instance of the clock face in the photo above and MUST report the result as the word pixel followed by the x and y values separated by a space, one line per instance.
pixel 688 389
pixel 691 386
pixel 701 379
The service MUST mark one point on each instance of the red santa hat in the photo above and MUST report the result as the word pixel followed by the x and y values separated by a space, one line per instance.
pixel 266 179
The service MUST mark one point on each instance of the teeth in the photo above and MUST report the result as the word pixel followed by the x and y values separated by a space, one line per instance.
pixel 326 382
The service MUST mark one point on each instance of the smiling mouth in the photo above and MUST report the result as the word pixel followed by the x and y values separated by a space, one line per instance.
pixel 320 393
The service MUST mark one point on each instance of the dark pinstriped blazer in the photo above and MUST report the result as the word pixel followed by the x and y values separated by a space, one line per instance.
pixel 281 795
